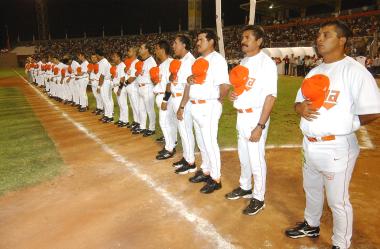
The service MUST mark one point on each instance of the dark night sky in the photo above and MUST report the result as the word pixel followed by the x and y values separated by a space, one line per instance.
pixel 77 16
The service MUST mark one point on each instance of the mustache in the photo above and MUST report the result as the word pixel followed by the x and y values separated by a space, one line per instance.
pixel 244 45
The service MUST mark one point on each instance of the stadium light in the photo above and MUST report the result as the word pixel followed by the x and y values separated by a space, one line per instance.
pixel 271 6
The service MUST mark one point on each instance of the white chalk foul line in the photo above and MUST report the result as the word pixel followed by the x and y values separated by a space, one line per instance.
pixel 365 138
pixel 202 226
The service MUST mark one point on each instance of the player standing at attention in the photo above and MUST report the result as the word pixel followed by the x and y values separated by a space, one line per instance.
pixel 335 99
pixel 206 89
pixel 82 79
pixel 120 90
pixel 131 85
pixel 105 86
pixel 255 92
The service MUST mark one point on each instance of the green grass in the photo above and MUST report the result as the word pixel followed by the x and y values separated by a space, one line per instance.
pixel 27 155
pixel 283 129
pixel 9 72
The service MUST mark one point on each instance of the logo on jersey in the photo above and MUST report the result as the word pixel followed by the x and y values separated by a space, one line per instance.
pixel 249 84
pixel 331 99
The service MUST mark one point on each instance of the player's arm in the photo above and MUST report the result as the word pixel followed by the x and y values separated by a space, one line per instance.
pixel 224 90
pixel 368 118
pixel 185 99
pixel 130 80
pixel 164 104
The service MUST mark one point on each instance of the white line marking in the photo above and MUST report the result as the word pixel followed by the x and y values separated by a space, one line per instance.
pixel 365 138
pixel 202 226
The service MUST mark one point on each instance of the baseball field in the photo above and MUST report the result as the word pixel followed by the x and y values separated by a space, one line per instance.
pixel 68 181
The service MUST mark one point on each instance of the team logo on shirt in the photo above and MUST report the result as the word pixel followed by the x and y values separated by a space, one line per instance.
pixel 331 99
pixel 249 84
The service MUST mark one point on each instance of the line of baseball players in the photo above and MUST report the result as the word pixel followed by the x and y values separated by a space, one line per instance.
pixel 334 100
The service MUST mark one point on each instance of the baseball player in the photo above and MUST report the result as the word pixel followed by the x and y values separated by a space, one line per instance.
pixel 207 87
pixel 64 92
pixel 39 77
pixel 180 71
pixel 335 99
pixel 105 86
pixel 255 92
pixel 132 86
pixel 166 118
pixel 73 83
pixel 118 80
pixel 146 96
pixel 94 80
pixel 82 79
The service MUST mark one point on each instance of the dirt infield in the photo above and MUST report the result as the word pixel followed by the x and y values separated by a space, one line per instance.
pixel 115 195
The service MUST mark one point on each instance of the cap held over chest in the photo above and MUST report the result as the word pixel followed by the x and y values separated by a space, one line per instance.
pixel 199 70
pixel 315 89
pixel 239 76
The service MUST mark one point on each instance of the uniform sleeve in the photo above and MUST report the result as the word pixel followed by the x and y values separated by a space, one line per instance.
pixel 365 93
pixel 102 69
pixel 132 70
pixel 299 97
pixel 271 78
pixel 221 72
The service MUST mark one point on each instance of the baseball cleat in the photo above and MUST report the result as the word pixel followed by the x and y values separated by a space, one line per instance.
pixel 302 229
pixel 180 163
pixel 199 177
pixel 165 155
pixel 118 122
pixel 335 247
pixel 254 207
pixel 148 133
pixel 83 109
pixel 138 131
pixel 102 118
pixel 211 186
pixel 186 168
pixel 161 139
pixel 108 120
pixel 239 193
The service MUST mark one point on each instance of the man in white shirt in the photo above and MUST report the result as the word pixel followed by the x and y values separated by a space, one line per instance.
pixel 132 86
pixel 105 86
pixel 146 96
pixel 335 99
pixel 206 89
pixel 254 97
pixel 181 47
pixel 94 81
pixel 73 83
pixel 82 79
pixel 120 90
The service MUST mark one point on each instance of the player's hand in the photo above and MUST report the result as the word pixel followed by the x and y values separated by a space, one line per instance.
pixel 190 80
pixel 68 80
pixel 306 110
pixel 98 90
pixel 233 96
pixel 256 134
pixel 164 106
pixel 180 114
pixel 118 92
pixel 171 78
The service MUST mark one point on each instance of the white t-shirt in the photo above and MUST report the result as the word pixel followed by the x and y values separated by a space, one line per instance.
pixel 352 92
pixel 164 76
pixel 217 74
pixel 104 69
pixel 144 77
pixel 262 81
pixel 119 74
pixel 183 73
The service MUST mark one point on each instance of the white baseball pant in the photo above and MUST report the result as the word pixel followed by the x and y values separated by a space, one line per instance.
pixel 133 95
pixel 185 128
pixel 206 120
pixel 106 93
pixel 252 154
pixel 167 123
pixel 97 96
pixel 76 91
pixel 83 99
pixel 146 106
pixel 340 154
pixel 123 104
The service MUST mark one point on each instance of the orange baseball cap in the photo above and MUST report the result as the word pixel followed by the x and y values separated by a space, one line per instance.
pixel 155 74
pixel 174 68
pixel 56 70
pixel 69 69
pixel 113 71
pixel 139 65
pixel 238 78
pixel 128 63
pixel 315 89
pixel 96 68
pixel 199 70
pixel 79 70
pixel 90 67
pixel 63 72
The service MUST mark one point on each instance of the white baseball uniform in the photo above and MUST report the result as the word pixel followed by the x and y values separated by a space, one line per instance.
pixel 185 126
pixel 122 99
pixel 73 84
pixel 146 96
pixel 166 118
pixel 82 83
pixel 66 93
pixel 106 88
pixel 132 91
pixel 329 164
pixel 206 111
pixel 261 83
pixel 39 77
pixel 94 79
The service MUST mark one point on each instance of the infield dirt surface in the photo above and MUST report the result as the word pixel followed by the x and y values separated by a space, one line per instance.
pixel 100 202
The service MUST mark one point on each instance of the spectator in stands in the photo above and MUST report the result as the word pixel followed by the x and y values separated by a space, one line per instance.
pixel 286 64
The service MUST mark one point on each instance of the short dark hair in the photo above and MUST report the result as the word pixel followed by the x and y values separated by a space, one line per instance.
pixel 257 31
pixel 185 40
pixel 118 53
pixel 165 45
pixel 341 28
pixel 99 52
pixel 210 35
